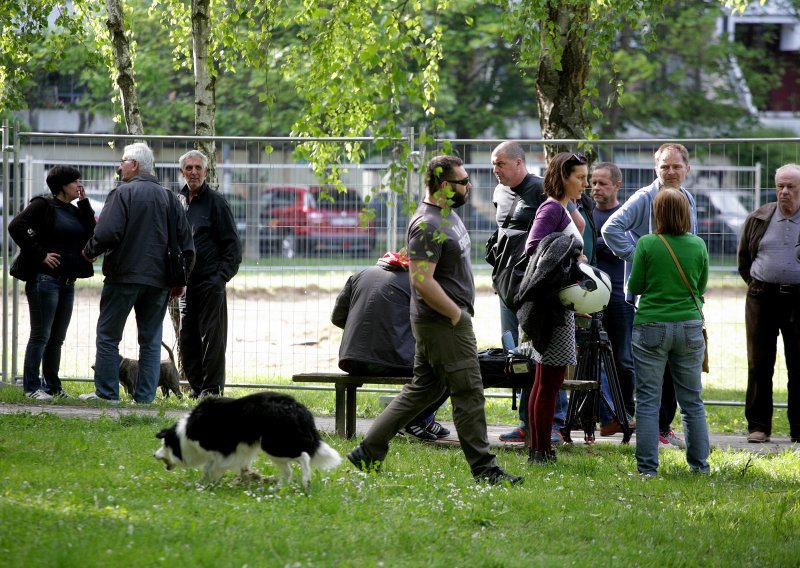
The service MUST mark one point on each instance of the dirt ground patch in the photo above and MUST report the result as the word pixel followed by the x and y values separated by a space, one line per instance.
pixel 282 330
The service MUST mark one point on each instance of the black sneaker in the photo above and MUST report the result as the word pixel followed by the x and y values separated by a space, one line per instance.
pixel 496 476
pixel 359 458
pixel 420 432
pixel 535 456
pixel 438 430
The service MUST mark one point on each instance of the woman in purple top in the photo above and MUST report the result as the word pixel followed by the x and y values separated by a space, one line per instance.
pixel 565 179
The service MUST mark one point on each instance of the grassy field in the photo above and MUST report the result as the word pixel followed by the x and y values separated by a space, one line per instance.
pixel 79 492
pixel 86 493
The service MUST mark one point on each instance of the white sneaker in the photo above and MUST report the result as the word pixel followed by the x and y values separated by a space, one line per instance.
pixel 92 397
pixel 39 395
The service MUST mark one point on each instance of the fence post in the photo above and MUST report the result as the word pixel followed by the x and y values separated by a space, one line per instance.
pixel 20 198
pixel 6 150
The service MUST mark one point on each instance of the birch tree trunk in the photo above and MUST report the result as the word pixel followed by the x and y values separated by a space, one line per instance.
pixel 205 78
pixel 121 51
pixel 562 73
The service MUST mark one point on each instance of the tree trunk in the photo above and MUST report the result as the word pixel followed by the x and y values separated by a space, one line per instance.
pixel 205 78
pixel 121 50
pixel 562 73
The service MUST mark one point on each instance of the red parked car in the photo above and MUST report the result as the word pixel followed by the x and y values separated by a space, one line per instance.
pixel 299 220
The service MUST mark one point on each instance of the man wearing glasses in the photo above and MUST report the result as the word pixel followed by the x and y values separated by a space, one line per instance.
pixel 634 220
pixel 132 233
pixel 442 300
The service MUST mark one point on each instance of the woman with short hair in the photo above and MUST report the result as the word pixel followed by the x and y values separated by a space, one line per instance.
pixel 51 232
pixel 668 328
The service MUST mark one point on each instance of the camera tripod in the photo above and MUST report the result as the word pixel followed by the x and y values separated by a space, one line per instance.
pixel 594 356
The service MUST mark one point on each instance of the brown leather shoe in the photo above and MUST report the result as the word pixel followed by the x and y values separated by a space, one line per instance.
pixel 610 428
pixel 757 437
pixel 614 427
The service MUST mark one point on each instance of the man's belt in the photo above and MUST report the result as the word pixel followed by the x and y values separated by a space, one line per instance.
pixel 777 288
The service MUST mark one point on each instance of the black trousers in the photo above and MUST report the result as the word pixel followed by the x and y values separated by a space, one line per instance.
pixel 769 309
pixel 204 337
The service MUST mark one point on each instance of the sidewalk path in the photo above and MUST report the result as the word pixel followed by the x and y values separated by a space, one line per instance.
pixel 326 424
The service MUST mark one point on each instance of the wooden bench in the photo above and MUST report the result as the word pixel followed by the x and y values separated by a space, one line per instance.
pixel 348 385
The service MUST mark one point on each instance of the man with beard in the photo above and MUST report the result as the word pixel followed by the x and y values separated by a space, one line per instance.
pixel 441 321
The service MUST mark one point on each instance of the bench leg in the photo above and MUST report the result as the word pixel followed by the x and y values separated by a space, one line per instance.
pixel 350 412
pixel 341 397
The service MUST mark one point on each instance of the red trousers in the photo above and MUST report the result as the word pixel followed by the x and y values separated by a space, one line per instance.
pixel 542 404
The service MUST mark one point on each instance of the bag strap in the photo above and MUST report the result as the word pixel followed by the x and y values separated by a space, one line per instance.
pixel 172 221
pixel 511 211
pixel 683 276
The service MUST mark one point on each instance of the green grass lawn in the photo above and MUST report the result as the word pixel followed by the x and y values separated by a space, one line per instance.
pixel 79 492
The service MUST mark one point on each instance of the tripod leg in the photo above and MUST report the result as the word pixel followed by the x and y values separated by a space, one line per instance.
pixel 588 416
pixel 617 406
pixel 587 370
pixel 572 415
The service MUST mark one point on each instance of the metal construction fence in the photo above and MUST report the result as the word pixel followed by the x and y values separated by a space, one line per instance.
pixel 281 300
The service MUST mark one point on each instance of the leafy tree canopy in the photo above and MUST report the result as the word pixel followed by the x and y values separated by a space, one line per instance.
pixel 355 68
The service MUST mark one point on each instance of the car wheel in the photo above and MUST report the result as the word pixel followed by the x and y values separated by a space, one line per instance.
pixel 289 246
pixel 293 246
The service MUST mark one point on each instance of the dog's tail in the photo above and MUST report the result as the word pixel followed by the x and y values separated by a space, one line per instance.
pixel 169 352
pixel 325 457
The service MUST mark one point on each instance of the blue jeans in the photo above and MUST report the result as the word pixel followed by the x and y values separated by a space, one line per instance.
pixel 607 401
pixel 50 302
pixel 560 416
pixel 116 301
pixel 680 344
pixel 509 321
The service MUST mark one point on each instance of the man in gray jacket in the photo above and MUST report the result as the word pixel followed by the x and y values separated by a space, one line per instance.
pixel 133 234
pixel 634 220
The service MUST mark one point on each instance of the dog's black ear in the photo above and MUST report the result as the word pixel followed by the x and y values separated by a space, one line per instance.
pixel 163 434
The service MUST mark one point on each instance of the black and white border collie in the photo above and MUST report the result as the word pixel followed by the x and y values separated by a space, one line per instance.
pixel 225 433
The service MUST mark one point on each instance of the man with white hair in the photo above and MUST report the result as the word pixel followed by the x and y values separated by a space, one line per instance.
pixel 133 234
pixel 769 265
pixel 204 308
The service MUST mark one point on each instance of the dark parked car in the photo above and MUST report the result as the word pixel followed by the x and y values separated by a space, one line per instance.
pixel 385 204
pixel 720 217
pixel 310 220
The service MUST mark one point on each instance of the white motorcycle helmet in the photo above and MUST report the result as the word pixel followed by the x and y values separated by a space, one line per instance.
pixel 590 293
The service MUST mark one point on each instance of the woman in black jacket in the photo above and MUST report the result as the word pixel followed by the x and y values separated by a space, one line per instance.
pixel 51 233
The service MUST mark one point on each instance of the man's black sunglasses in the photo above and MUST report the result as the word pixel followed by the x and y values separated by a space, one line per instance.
pixel 464 181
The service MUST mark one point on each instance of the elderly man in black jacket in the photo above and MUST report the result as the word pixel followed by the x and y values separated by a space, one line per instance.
pixel 204 309
pixel 132 233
